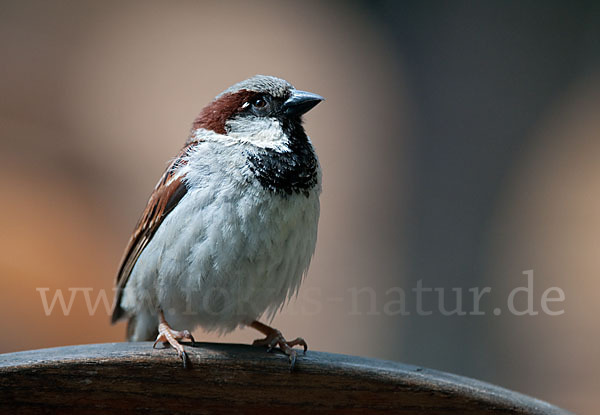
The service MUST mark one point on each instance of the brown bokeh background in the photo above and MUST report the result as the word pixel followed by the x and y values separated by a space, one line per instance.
pixel 459 144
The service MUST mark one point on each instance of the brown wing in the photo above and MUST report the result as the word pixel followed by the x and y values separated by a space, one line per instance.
pixel 166 195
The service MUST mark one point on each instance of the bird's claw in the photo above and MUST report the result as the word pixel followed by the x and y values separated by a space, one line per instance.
pixel 275 338
pixel 167 335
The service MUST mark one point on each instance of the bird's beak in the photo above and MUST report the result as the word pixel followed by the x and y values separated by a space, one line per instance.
pixel 301 102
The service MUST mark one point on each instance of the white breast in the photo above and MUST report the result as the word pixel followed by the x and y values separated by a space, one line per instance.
pixel 229 252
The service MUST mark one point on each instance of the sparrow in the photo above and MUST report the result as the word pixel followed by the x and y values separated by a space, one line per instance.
pixel 229 231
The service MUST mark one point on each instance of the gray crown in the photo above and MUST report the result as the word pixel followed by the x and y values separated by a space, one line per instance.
pixel 276 87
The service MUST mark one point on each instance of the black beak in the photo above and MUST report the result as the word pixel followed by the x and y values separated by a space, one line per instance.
pixel 300 102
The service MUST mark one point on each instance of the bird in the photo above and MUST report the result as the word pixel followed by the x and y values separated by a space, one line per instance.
pixel 230 228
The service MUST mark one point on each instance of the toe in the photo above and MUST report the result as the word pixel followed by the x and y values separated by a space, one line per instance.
pixel 185 360
pixel 160 338
pixel 188 336
pixel 275 341
pixel 299 341
pixel 292 355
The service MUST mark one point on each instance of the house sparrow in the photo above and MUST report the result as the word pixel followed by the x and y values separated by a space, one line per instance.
pixel 231 226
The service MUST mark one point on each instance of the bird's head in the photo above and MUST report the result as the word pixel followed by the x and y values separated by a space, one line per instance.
pixel 264 111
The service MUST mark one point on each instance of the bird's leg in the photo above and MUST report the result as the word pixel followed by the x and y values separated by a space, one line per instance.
pixel 275 338
pixel 167 335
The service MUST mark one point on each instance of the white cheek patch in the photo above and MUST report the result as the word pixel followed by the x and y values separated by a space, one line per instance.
pixel 259 131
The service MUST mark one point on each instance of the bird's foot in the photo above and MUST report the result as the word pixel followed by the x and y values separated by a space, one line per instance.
pixel 167 335
pixel 275 338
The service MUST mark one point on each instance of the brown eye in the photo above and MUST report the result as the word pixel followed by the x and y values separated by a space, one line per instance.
pixel 261 106
pixel 259 102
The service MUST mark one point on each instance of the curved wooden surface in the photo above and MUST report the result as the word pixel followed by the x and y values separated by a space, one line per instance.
pixel 232 378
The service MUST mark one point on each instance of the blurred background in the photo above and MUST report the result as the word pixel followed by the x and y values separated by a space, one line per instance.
pixel 459 144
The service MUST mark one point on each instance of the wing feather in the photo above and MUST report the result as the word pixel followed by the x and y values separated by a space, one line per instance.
pixel 167 193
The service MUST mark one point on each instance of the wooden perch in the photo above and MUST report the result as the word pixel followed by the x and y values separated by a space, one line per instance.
pixel 231 378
